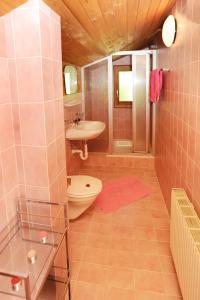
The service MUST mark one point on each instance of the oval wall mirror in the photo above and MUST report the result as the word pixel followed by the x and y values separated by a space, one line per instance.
pixel 70 75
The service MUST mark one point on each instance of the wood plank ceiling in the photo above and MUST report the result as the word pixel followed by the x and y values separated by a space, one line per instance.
pixel 92 29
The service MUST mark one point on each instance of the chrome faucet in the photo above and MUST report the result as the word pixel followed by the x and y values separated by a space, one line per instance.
pixel 77 118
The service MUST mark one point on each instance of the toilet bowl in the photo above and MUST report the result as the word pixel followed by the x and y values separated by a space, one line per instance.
pixel 82 192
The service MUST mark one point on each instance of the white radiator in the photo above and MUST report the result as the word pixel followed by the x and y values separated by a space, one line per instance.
pixel 185 244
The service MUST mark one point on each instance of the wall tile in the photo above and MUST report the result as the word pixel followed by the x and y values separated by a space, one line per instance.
pixel 52 162
pixel 3 218
pixel 50 125
pixel 2 38
pixel 11 201
pixel 31 107
pixel 26 32
pixel 10 50
pixel 47 68
pixel 35 165
pixel 13 80
pixel 5 84
pixel 9 167
pixel 41 193
pixel 1 178
pixel 55 34
pixel 178 126
pixel 32 124
pixel 61 152
pixel 45 34
pixel 6 126
pixel 16 123
pixel 29 72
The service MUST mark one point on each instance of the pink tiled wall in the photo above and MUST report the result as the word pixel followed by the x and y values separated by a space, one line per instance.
pixel 31 106
pixel 8 161
pixel 178 126
pixel 122 123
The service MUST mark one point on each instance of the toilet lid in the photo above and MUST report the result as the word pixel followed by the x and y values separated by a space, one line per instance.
pixel 83 186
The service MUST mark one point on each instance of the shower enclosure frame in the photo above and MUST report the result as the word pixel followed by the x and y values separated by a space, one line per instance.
pixel 151 63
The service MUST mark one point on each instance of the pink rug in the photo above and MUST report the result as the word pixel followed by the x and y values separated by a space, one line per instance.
pixel 121 192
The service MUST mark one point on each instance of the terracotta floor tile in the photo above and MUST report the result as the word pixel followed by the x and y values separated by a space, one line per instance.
pixel 145 247
pixel 149 281
pixel 163 248
pixel 146 262
pixel 140 295
pixel 75 267
pixel 119 294
pixel 160 214
pixel 171 284
pixel 161 223
pixel 136 232
pixel 100 228
pixel 143 233
pixel 77 238
pixel 120 278
pixel 87 291
pixel 76 252
pixel 100 217
pixel 79 226
pixel 121 244
pixel 99 240
pixel 123 231
pixel 92 273
pixel 96 255
pixel 167 264
pixel 120 258
pixel 86 216
pixel 124 255
pixel 142 221
pixel 163 235
pixel 173 298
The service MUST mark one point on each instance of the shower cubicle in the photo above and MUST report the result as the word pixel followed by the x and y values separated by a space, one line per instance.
pixel 115 90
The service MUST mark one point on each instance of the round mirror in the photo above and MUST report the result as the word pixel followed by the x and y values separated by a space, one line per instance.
pixel 70 75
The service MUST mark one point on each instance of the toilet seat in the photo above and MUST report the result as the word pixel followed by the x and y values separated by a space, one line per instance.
pixel 83 186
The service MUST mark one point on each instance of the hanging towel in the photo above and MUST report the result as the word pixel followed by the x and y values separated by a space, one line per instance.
pixel 156 82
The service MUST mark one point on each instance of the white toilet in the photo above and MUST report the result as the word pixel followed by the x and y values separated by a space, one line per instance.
pixel 82 191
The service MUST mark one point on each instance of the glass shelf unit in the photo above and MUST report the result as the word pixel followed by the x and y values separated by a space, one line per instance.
pixel 34 250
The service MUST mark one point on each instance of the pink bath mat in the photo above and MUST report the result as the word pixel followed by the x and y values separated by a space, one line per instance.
pixel 121 192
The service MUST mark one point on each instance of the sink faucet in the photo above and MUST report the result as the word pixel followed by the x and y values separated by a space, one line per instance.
pixel 77 118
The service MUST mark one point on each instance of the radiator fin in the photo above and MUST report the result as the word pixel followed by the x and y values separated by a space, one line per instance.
pixel 188 211
pixel 196 235
pixel 192 222
pixel 185 244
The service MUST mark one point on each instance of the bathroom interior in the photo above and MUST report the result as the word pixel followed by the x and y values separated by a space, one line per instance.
pixel 99 150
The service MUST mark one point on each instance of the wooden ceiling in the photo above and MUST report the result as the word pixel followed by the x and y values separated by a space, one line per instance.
pixel 8 5
pixel 92 29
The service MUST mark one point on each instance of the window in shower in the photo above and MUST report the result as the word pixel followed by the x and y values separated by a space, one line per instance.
pixel 123 86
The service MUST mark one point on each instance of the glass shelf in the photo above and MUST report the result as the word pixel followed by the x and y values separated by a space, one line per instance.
pixel 38 226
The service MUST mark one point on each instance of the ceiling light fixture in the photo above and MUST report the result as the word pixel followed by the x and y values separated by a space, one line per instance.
pixel 169 31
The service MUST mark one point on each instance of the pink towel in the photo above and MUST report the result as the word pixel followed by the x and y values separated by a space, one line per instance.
pixel 156 82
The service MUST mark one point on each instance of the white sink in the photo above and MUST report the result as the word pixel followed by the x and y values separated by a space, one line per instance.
pixel 85 130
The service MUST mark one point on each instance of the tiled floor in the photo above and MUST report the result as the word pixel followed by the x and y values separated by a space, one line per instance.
pixel 123 255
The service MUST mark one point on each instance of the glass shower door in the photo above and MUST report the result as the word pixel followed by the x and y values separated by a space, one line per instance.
pixel 141 107
pixel 96 101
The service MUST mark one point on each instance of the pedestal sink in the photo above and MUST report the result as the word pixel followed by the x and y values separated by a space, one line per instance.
pixel 85 130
